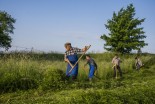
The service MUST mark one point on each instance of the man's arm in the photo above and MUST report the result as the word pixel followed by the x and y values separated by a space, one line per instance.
pixel 114 64
pixel 78 50
pixel 66 60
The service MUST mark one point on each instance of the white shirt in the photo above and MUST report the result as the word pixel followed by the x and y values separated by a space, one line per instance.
pixel 139 62
pixel 116 61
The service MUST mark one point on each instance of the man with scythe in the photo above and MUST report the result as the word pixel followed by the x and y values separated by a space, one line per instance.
pixel 116 66
pixel 72 59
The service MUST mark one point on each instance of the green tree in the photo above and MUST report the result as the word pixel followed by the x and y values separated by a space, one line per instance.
pixel 125 32
pixel 6 28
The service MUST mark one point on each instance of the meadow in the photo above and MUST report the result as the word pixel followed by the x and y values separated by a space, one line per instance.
pixel 33 78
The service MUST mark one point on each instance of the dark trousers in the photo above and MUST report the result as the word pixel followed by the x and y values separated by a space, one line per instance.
pixel 117 67
pixel 138 66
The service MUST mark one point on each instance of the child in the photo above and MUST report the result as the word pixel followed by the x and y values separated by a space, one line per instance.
pixel 92 66
pixel 138 63
pixel 71 58
pixel 116 62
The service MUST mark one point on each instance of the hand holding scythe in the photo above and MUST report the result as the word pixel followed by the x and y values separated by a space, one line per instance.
pixel 66 60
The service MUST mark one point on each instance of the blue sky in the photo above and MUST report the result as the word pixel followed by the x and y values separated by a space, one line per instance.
pixel 47 24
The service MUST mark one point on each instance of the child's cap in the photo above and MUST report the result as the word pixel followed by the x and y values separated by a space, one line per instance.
pixel 66 44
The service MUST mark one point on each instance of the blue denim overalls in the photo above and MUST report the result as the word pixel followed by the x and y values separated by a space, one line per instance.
pixel 91 71
pixel 73 59
pixel 92 68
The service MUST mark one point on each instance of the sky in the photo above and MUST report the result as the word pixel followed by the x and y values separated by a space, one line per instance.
pixel 46 25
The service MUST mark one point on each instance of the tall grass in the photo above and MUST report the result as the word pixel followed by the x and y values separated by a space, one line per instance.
pixel 20 71
pixel 42 77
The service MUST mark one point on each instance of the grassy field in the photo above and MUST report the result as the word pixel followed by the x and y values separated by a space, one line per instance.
pixel 29 78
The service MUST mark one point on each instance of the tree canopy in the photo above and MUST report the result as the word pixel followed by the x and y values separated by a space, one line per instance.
pixel 6 28
pixel 125 33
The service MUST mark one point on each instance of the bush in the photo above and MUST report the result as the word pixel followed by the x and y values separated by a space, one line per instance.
pixel 53 79
pixel 10 83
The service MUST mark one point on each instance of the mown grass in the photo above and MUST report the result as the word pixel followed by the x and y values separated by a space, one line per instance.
pixel 30 78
